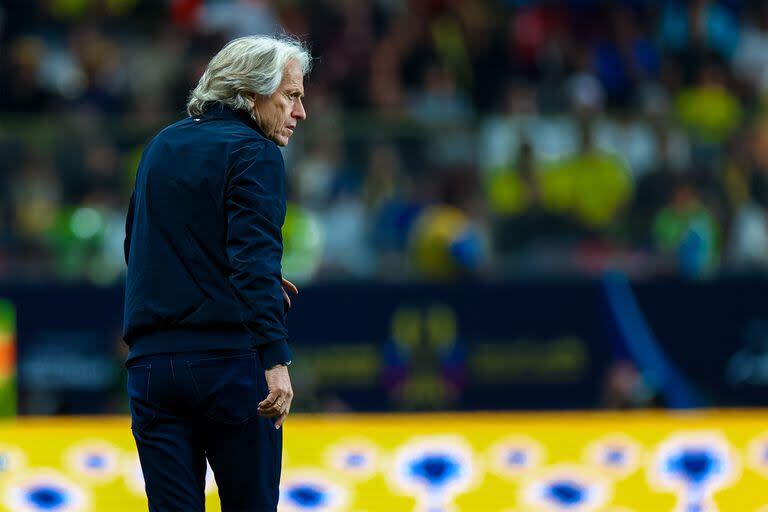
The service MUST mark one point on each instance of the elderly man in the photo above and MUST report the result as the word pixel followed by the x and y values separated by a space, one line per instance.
pixel 205 301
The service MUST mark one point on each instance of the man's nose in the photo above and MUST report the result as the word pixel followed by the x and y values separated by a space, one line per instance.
pixel 299 112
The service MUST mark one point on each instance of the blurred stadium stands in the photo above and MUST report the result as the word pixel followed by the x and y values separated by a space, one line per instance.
pixel 445 139
pixel 496 205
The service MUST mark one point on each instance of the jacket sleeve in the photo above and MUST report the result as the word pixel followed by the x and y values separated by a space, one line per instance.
pixel 255 210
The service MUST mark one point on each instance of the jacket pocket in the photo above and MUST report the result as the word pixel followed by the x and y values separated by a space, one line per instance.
pixel 228 388
pixel 142 413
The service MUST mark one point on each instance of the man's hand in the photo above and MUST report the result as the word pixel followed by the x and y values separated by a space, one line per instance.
pixel 290 286
pixel 278 402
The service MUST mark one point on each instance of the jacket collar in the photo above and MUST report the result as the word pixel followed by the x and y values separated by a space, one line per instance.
pixel 219 110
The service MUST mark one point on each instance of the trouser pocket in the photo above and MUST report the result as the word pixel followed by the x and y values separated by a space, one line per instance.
pixel 142 412
pixel 228 388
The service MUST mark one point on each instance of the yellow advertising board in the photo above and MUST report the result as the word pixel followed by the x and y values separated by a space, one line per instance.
pixel 607 462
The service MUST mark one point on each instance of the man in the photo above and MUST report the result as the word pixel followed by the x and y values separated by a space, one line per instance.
pixel 205 301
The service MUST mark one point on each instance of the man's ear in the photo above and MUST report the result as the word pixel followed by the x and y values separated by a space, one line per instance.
pixel 251 98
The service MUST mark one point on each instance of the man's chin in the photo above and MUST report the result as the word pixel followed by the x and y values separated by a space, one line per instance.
pixel 280 140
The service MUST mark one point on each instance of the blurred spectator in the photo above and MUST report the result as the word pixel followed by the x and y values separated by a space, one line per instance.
pixel 513 189
pixel 708 108
pixel 591 185
pixel 750 62
pixel 35 194
pixel 748 244
pixel 519 219
pixel 20 77
pixel 444 111
pixel 685 231
pixel 445 245
pixel 314 176
pixel 625 388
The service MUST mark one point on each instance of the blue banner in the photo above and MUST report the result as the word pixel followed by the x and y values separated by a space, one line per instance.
pixel 372 347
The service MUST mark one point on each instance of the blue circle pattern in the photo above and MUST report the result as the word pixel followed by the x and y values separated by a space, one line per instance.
pixel 694 466
pixel 516 458
pixel 615 457
pixel 47 497
pixel 355 460
pixel 95 461
pixel 435 469
pixel 307 496
pixel 566 493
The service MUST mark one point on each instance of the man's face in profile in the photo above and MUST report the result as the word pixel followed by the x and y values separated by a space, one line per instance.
pixel 278 115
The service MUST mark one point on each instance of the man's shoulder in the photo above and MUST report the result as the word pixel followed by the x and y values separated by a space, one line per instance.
pixel 212 126
pixel 257 148
pixel 174 132
pixel 185 121
pixel 257 142
pixel 227 134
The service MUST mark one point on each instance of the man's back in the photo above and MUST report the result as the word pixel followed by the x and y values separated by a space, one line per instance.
pixel 178 235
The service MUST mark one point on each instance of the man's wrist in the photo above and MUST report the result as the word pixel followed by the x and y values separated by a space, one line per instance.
pixel 274 353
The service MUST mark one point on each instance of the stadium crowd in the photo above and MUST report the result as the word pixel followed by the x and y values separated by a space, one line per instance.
pixel 446 139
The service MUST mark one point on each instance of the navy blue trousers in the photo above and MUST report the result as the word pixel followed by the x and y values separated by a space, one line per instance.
pixel 187 407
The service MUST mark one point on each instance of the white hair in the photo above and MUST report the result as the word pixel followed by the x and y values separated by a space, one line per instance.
pixel 247 65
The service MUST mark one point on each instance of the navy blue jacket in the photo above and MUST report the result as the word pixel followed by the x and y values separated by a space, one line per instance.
pixel 203 241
